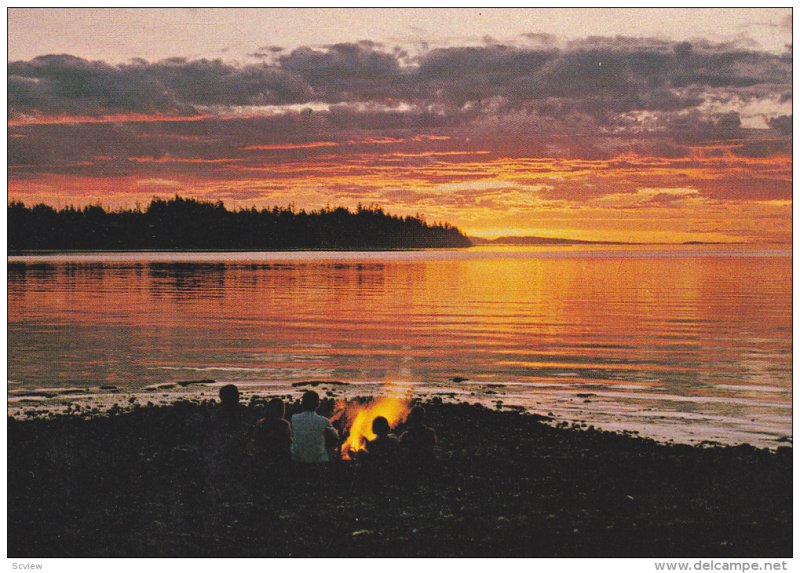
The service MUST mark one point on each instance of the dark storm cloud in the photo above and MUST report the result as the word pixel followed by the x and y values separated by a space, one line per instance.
pixel 764 148
pixel 614 74
pixel 600 75
pixel 66 84
pixel 603 93
pixel 212 82
pixel 212 138
pixel 58 84
pixel 782 124
pixel 695 127
pixel 215 144
pixel 346 72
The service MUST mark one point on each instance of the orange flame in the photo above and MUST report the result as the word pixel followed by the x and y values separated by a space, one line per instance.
pixel 360 416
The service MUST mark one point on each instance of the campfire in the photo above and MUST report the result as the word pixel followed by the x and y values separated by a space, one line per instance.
pixel 358 417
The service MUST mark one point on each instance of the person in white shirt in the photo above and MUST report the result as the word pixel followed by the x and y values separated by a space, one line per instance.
pixel 314 435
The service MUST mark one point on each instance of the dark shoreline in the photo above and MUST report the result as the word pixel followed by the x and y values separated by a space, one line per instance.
pixel 41 252
pixel 148 482
pixel 191 223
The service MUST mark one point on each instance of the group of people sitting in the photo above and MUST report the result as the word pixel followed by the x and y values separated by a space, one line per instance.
pixel 312 439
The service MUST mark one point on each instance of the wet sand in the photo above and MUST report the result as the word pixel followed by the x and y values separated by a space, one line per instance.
pixel 164 481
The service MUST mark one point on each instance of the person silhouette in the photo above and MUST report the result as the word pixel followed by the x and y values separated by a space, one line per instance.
pixel 272 435
pixel 229 396
pixel 229 399
pixel 227 419
pixel 314 436
pixel 225 449
pixel 418 440
pixel 384 450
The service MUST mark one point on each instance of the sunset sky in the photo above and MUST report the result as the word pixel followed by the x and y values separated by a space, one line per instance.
pixel 637 125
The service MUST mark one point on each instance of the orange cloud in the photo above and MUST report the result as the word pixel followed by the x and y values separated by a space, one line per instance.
pixel 167 159
pixel 280 147
pixel 114 118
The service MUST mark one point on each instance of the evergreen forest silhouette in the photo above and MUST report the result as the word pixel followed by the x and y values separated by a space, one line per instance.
pixel 180 223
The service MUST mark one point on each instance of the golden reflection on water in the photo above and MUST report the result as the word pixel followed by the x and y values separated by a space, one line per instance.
pixel 701 330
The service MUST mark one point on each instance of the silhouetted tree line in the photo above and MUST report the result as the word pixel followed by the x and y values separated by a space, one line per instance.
pixel 180 223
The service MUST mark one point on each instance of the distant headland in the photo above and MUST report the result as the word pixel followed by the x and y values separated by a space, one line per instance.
pixel 189 224
pixel 531 240
pixel 534 240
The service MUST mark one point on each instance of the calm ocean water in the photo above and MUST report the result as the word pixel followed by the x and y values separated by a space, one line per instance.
pixel 686 343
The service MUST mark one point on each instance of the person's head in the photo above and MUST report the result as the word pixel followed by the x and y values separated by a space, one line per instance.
pixel 275 409
pixel 380 426
pixel 416 417
pixel 229 396
pixel 310 401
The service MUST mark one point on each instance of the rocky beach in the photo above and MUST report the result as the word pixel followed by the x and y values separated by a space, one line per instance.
pixel 152 481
